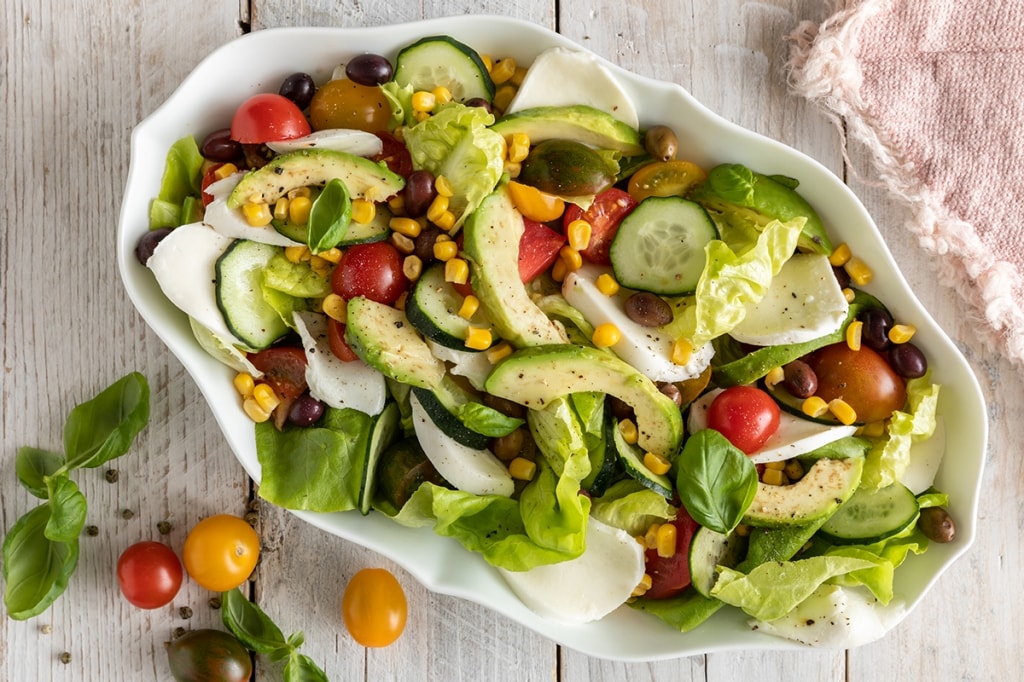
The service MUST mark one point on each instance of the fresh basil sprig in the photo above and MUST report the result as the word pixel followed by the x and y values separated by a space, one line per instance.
pixel 258 633
pixel 40 550
pixel 715 480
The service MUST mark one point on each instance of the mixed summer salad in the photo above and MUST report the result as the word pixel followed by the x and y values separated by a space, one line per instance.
pixel 480 296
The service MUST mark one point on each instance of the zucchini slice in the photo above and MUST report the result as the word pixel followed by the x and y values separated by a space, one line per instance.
pixel 433 308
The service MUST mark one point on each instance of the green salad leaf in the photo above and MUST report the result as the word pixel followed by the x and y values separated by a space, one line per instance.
pixel 715 480
pixel 889 455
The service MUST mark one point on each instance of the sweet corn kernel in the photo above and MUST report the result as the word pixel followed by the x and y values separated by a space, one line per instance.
pixel 363 211
pixel 397 205
pixel 478 338
pixel 518 76
pixel 445 221
pixel 469 306
pixel 840 255
pixel 522 469
pixel 854 333
pixel 437 207
pixel 573 259
pixel 298 210
pixel 265 396
pixel 320 266
pixel 579 232
pixel 627 427
pixel 559 270
pixel 814 406
pixel 299 192
pixel 407 226
pixel 503 70
pixel 858 271
pixel 513 169
pixel 518 145
pixel 257 215
pixel 281 208
pixel 644 585
pixel 606 335
pixel 682 351
pixel 849 294
pixel 777 464
pixel 503 97
pixel 607 284
pixel 666 540
pixel 332 255
pixel 651 536
pixel 774 477
pixel 442 95
pixel 901 333
pixel 420 115
pixel 842 411
pixel 296 254
pixel 496 354
pixel 794 470
pixel 488 61
pixel 244 383
pixel 335 307
pixel 224 170
pixel 412 267
pixel 456 271
pixel 656 463
pixel 446 250
pixel 774 377
pixel 403 244
pixel 443 186
pixel 254 411
pixel 423 101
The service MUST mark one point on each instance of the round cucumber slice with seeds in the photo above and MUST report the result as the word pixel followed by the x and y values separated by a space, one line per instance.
pixel 659 247
pixel 444 61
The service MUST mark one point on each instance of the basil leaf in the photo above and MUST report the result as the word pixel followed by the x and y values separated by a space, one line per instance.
pixel 103 428
pixel 301 668
pixel 67 510
pixel 33 465
pixel 36 570
pixel 486 420
pixel 715 480
pixel 250 624
pixel 329 217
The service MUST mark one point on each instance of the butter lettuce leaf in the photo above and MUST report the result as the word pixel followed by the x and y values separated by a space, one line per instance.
pixel 890 455
pixel 628 505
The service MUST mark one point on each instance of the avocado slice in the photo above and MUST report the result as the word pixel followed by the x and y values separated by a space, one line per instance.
pixel 577 122
pixel 535 376
pixel 824 487
pixel 364 179
pixel 383 338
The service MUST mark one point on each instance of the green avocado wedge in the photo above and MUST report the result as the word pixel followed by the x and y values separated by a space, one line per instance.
pixel 578 122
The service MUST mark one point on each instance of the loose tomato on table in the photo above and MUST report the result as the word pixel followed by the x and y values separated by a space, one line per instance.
pixel 604 216
pixel 374 607
pixel 208 654
pixel 220 552
pixel 538 248
pixel 284 369
pixel 671 575
pixel 268 117
pixel 343 103
pixel 149 574
pixel 745 415
pixel 372 270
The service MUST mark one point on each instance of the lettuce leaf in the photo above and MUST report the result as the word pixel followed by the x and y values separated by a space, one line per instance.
pixel 630 506
pixel 890 455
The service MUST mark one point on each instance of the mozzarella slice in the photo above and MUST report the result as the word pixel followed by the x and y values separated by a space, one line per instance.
pixel 803 302
pixel 563 77
pixel 475 366
pixel 925 458
pixel 794 437
pixel 185 266
pixel 356 142
pixel 835 617
pixel 231 223
pixel 338 384
pixel 468 469
pixel 588 587
pixel 646 348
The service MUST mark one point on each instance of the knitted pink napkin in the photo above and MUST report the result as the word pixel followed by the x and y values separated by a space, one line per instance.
pixel 935 90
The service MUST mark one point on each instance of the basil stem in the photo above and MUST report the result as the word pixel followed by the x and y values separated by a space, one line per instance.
pixel 715 480
pixel 329 217
pixel 34 466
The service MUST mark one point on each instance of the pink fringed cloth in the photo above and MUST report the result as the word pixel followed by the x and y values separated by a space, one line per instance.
pixel 935 90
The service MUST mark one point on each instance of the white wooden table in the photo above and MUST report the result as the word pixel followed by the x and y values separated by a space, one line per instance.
pixel 78 76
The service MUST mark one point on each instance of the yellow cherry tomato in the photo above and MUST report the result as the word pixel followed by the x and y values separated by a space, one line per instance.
pixel 374 607
pixel 535 204
pixel 665 179
pixel 221 552
pixel 342 103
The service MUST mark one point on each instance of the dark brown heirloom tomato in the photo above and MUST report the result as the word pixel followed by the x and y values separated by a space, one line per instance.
pixel 862 378
pixel 284 368
pixel 208 655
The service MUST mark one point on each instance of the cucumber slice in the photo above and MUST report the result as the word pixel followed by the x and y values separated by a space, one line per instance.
pixel 444 61
pixel 710 549
pixel 433 308
pixel 240 296
pixel 632 458
pixel 385 429
pixel 659 247
pixel 873 515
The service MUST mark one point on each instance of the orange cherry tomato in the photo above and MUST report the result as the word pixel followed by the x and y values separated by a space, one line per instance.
pixel 535 204
pixel 221 552
pixel 374 607
pixel 342 103
pixel 665 179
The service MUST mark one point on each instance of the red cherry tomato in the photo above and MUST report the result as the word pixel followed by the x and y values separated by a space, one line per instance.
pixel 372 270
pixel 209 177
pixel 863 378
pixel 268 117
pixel 538 248
pixel 395 154
pixel 336 339
pixel 671 575
pixel 149 574
pixel 284 368
pixel 745 415
pixel 604 216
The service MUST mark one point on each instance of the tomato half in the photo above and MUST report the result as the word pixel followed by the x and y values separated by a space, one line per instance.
pixel 665 179
pixel 671 575
pixel 372 270
pixel 538 248
pixel 394 154
pixel 208 654
pixel 149 574
pixel 604 216
pixel 745 415
pixel 221 551
pixel 209 177
pixel 535 204
pixel 284 368
pixel 268 117
pixel 342 103
pixel 374 607
pixel 863 378
pixel 336 339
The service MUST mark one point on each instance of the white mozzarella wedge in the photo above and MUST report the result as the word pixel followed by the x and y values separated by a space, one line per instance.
pixel 647 349
pixel 803 302
pixel 185 266
pixel 472 365
pixel 588 82
pixel 794 437
pixel 468 469
pixel 588 587
pixel 231 223
pixel 338 384
pixel 925 458
pixel 356 142
pixel 835 617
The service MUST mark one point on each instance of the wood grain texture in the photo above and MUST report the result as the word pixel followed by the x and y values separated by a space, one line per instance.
pixel 77 78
